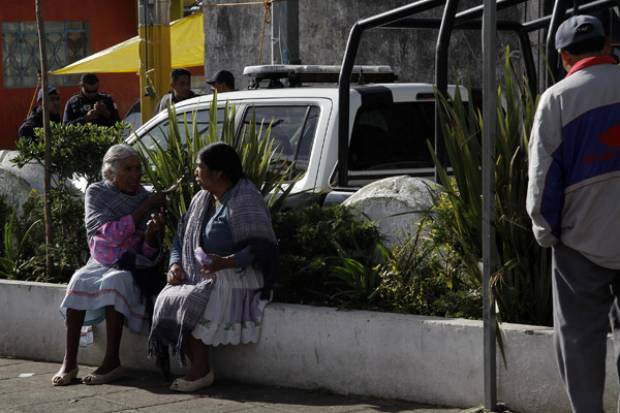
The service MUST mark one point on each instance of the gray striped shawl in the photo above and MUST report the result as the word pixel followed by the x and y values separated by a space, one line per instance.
pixel 248 218
pixel 105 203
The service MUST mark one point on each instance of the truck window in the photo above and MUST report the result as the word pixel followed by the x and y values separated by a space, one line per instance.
pixel 292 128
pixel 392 136
pixel 159 133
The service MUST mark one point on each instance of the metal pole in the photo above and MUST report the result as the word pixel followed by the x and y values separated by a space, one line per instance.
pixel 559 9
pixel 489 56
pixel 344 80
pixel 292 31
pixel 441 76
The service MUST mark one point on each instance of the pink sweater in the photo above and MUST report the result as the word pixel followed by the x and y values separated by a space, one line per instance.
pixel 116 237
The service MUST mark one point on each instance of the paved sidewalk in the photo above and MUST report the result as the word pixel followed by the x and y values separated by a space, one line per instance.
pixel 25 387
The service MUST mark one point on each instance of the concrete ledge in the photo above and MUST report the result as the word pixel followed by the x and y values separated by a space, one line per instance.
pixel 424 359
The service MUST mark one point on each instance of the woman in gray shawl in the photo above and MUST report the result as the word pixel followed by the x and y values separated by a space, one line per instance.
pixel 221 265
pixel 123 238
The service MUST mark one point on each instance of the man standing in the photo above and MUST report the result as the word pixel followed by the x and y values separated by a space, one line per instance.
pixel 35 119
pixel 223 81
pixel 180 83
pixel 574 202
pixel 90 106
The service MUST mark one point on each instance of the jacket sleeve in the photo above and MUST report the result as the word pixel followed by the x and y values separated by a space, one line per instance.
pixel 115 117
pixel 545 191
pixel 70 117
pixel 26 130
pixel 163 103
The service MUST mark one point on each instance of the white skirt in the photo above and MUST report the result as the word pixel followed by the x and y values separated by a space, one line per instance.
pixel 96 286
pixel 234 311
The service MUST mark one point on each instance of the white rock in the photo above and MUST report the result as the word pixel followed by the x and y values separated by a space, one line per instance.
pixel 396 204
pixel 14 189
pixel 32 173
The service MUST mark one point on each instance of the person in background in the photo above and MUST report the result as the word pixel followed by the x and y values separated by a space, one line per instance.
pixel 119 282
pixel 180 84
pixel 35 120
pixel 222 266
pixel 90 106
pixel 572 199
pixel 223 81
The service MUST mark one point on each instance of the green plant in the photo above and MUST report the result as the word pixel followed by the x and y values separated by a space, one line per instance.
pixel 173 161
pixel 521 282
pixel 357 283
pixel 314 242
pixel 69 248
pixel 75 150
pixel 13 264
pixel 426 276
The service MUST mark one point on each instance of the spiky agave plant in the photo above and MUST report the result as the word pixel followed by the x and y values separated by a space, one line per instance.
pixel 521 282
pixel 172 163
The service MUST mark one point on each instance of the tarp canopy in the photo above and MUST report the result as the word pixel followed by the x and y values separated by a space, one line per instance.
pixel 186 50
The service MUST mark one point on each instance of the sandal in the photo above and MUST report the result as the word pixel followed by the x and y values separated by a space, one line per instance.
pixel 187 386
pixel 112 375
pixel 62 379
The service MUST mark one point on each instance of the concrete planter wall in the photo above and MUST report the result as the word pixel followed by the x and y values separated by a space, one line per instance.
pixel 425 359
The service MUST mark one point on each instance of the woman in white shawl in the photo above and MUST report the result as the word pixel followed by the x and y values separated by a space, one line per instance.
pixel 222 264
pixel 123 238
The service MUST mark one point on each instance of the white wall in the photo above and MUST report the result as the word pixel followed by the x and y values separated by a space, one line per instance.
pixel 424 359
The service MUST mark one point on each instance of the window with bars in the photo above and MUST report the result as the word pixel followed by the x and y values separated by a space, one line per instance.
pixel 66 42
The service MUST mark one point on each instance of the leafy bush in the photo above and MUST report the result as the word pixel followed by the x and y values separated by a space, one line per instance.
pixel 6 213
pixel 426 276
pixel 314 242
pixel 75 149
pixel 69 249
pixel 521 282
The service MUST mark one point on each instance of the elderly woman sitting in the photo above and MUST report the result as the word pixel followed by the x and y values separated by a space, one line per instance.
pixel 224 246
pixel 124 246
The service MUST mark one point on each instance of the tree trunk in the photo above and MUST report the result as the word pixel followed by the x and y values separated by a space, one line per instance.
pixel 38 5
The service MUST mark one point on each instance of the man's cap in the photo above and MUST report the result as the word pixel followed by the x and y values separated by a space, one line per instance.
pixel 51 90
pixel 577 29
pixel 223 76
pixel 89 79
pixel 177 73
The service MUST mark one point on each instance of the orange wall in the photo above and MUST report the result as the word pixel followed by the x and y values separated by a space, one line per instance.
pixel 109 21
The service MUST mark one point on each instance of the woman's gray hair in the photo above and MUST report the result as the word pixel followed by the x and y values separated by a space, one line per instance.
pixel 113 157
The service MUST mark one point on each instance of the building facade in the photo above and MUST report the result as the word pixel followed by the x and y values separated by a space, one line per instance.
pixel 73 31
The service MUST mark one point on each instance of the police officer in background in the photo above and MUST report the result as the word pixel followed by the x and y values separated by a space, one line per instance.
pixel 35 119
pixel 90 106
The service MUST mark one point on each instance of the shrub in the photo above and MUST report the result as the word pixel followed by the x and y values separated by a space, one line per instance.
pixel 69 249
pixel 426 276
pixel 521 282
pixel 314 241
pixel 75 150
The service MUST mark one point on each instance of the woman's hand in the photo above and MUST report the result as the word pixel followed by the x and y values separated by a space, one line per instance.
pixel 154 227
pixel 175 275
pixel 156 200
pixel 217 263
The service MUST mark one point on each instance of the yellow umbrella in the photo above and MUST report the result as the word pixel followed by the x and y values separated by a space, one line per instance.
pixel 186 50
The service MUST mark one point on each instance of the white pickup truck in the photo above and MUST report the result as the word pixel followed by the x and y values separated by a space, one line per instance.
pixel 390 124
